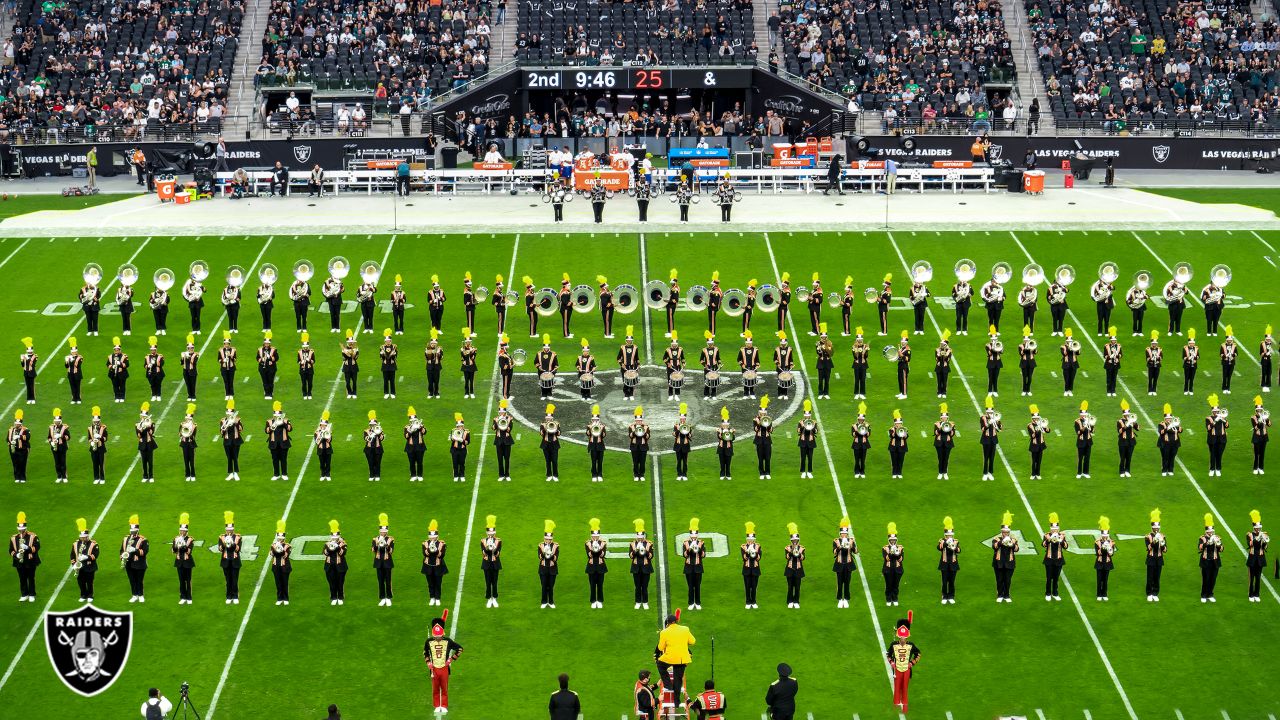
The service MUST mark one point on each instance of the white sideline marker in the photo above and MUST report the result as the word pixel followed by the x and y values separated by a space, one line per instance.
pixel 659 512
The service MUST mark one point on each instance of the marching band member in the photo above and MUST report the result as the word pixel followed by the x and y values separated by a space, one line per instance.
pixel 861 431
pixel 323 438
pixel 124 304
pixel 1256 543
pixel 564 303
pixel 628 361
pixel 300 294
pixel 607 307
pixel 383 547
pixel 19 440
pixel 434 567
pixel 942 356
pixel 1155 357
pixel 1215 427
pixel 91 301
pixel 530 308
pixel 990 426
pixel 366 298
pixel 1056 296
pixel 715 296
pixel 1229 351
pixel 548 564
pixel 24 549
pixel 709 358
pixel 193 292
pixel 918 296
pixel 268 362
pixel 1055 547
pixel 1037 435
pixel 27 361
pixel 231 429
pixel 640 552
pixel 1027 359
pixel 962 296
pixel 1136 299
pixel 903 655
pixel 281 564
pixel 1104 551
pixel 399 301
pixel 153 369
pixel 846 307
pixel 948 560
pixel 883 300
pixel 752 554
pixel 74 364
pixel 278 430
pixel 549 430
pixel 891 556
pixel 1213 299
pixel 673 302
pixel 749 359
pixel 684 196
pixel 944 434
pixel 861 361
pixel 231 304
pixel 762 427
pixel 783 361
pixel 374 438
pixel 117 370
pixel 332 290
pixel 468 354
pixel 1071 349
pixel 1260 421
pixel 227 356
pixel 784 300
pixel 435 303
pixel 824 353
pixel 1112 353
pixel 844 549
pixel 694 552
pixel 1127 429
pixel 1209 547
pixel 459 441
pixel 1190 363
pixel 134 549
pixel 682 438
pixel 415 445
pixel 596 548
pixel 558 193
pixel 59 438
pixel 266 295
pixel 904 365
pixel 491 560
pixel 387 356
pixel 1156 546
pixel 816 298
pixel 351 365
pixel 1027 297
pixel 1169 439
pixel 596 432
pixel 599 195
pixel 992 294
pixel 506 369
pixel 725 197
pixel 335 564
pixel 159 302
pixel 1084 428
pixel 229 547
pixel 643 193
pixel 440 653
pixel 84 560
pixel 638 434
pixel 306 366
pixel 1266 353
pixel 1005 558
pixel 807 440
pixel 469 302
pixel 898 436
pixel 1103 294
pixel 794 572
pixel 434 356
pixel 749 307
pixel 190 362
pixel 98 438
pixel 145 430
pixel 1175 294
pixel 673 362
pixel 995 351
pixel 188 431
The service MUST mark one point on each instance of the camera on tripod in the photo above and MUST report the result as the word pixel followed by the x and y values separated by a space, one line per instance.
pixel 185 708
pixel 184 688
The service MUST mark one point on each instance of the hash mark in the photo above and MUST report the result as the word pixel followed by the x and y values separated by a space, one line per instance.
pixel 1040 714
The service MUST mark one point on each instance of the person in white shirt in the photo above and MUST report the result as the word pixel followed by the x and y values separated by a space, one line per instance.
pixel 157 701
pixel 493 156
pixel 292 102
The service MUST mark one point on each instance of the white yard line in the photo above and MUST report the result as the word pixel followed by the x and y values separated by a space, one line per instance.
pixel 1026 503
pixel 178 391
pixel 1261 240
pixel 494 384
pixel 1151 424
pixel 17 250
pixel 293 494
pixel 57 351
pixel 659 512
pixel 831 466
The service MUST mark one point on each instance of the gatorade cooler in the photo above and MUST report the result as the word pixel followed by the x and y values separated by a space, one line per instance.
pixel 1068 180
pixel 182 198
pixel 782 151
pixel 165 189
pixel 1033 182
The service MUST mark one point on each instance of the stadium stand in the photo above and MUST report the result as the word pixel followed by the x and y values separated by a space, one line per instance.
pixel 145 70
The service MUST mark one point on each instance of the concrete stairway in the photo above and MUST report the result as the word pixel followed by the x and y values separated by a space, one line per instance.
pixel 242 112
pixel 1030 83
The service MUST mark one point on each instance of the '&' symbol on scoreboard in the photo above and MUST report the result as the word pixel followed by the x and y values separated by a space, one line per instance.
pixel 709 79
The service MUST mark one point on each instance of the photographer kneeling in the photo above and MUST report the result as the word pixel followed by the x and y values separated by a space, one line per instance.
pixel 157 706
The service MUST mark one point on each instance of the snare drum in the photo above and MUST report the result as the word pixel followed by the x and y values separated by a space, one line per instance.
pixel 749 378
pixel 630 378
pixel 785 380
pixel 547 380
pixel 676 379
pixel 587 380
pixel 711 379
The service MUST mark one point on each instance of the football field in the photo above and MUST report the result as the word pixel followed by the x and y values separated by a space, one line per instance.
pixel 1074 658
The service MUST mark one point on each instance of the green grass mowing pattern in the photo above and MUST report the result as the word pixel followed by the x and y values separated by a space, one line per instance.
pixel 293 661
pixel 1265 198
pixel 17 204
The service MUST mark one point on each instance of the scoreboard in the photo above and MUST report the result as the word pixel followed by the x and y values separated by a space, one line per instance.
pixel 635 78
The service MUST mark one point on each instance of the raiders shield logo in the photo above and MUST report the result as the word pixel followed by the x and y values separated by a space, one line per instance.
pixel 1160 152
pixel 995 152
pixel 88 647
pixel 302 153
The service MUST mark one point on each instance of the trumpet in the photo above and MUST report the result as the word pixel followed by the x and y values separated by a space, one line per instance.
pixel 268 274
pixel 945 427
pixel 1088 421
pixel 163 279
pixel 382 541
pixel 683 427
pixel 545 302
pixel 862 427
pixel 127 274
pixel 458 434
pixel 808 424
pixel 765 421
pixel 92 274
pixel 697 299
pixel 1030 344
pixel 625 299
pixel 1174 423
pixel 1002 273
pixel 1108 272
pixel 921 271
pixel 186 429
pixel 551 425
pixel 1040 425
pixel 1128 420
pixel 370 271
pixel 482 294
pixel 996 346
pixel 277 547
pixel 235 276
pixel 639 429
pixel 1032 275
pixel 1263 415
pixel 583 298
pixel 655 295
pixel 735 302
pixel 595 428
pixel 993 417
pixel 303 270
pixel 966 270
pixel 1219 276
pixel 1073 345
pixel 901 432
pixel 503 422
pixel 339 268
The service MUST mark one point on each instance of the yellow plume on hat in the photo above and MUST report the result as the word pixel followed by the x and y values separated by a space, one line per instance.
pixel 306 337
pixel 152 341
pixel 280 527
pixel 527 280
pixel 497 279
pixel 457 417
pixel 893 528
pixel 1068 332
pixel 905 334
pixel 1255 516
pixel 551 409
pixel 433 526
pixel 673 274
pixel 1191 333
pixel 333 526
pixel 848 281
pixel 808 406
pixel 17 414
pixel 1267 330
pixel 748 334
pixel 1229 332
pixel 764 402
pixel 601 280
pixel 1257 400
pixel 989 402
pixel 191 409
pixel 466 333
pixel 715 275
pixel 888 277
pixel 948 523
pixel 1084 406
pixel 815 277
pixel 231 404
pixel 991 330
pixel 22 518
pixel 822 328
pixel 751 528
pixel 753 282
pixel 1168 409
pixel 585 343
pixel 57 412
pixel 350 334
pixel 97 411
pixel 1111 331
pixel 491 521
pixel 594 524
pixel 435 278
pixel 781 335
pixel 373 414
pixel 1053 518
pixel 1155 515
pixel 412 411
pixel 1026 331
pixel 277 406
pixel 435 334
pixel 946 335
pixel 228 517
pixel 1035 409
pixel 1208 519
pixel 942 408
pixel 133 519
pixel 29 342
pixel 548 526
pixel 674 337
pixel 639 411
pixel 631 330
pixel 1007 518
pixel 684 408
pixel 1213 400
pixel 116 341
pixel 595 409
pixel 72 342
pixel 862 408
pixel 1155 335
pixel 226 335
pixel 546 338
pixel 1104 523
pixel 466 276
pixel 400 278
pixel 724 413
pixel 1124 405
pixel 382 517
pixel 693 524
pixel 786 276
pixel 82 525
pixel 325 416
pixel 708 335
pixel 386 332
pixel 845 522
pixel 793 528
pixel 144 407
pixel 639 524
pixel 191 339
pixel 897 414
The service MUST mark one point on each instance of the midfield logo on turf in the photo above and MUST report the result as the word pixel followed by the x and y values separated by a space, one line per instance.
pixel 88 647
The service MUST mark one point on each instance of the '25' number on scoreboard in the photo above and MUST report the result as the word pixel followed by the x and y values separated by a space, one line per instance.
pixel 648 79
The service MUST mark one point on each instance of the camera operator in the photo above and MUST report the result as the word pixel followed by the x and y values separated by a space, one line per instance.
pixel 157 706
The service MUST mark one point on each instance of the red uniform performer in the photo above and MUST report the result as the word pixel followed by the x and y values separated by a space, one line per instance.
pixel 903 655
pixel 439 652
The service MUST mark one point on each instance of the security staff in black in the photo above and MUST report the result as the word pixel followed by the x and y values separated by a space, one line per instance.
pixel 335 565
pixel 762 428
pixel 351 367
pixel 24 550
pixel 1260 422
pixel 190 362
pixel 599 195
pixel 1209 548
pixel 59 439
pixel 281 564
pixel 74 363
pixel 1155 358
pixel 640 552
pixel 434 356
pixel 491 561
pixel 1127 440
pixel 388 356
pixel 1256 543
pixel 227 358
pixel 268 363
pixel 85 551
pixel 643 192
pixel 781 696
pixel 948 561
pixel 694 551
pixel 229 546
pixel 1027 350
pixel 752 553
pixel 1055 549
pixel 300 294
pixel 596 547
pixel 306 368
pixel 1070 364
pixel 266 296
pixel 383 547
pixel 548 567
pixel 844 550
pixel 1084 427
pixel 861 362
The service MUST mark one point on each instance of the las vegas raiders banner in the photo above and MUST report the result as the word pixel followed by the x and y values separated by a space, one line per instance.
pixel 88 647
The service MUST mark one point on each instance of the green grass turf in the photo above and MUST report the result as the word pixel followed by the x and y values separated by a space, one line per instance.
pixel 980 659
pixel 1261 197
pixel 16 204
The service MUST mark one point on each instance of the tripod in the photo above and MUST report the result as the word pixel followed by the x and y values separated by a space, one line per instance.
pixel 185 706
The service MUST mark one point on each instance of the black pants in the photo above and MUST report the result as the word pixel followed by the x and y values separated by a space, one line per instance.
pixel 806 460
pixel 416 455
pixel 1004 581
pixel 469 380
pixel 148 456
pixel 335 312
pixel 280 462
pixel 892 581
pixel 948 581
pixel 1036 457
pixel 725 212
pixel 793 588
pixel 27 579
pixel 91 319
pixel 459 458
pixel 373 458
pixel 161 317
pixel 1189 377
pixel 993 314
pixel 337 579
pixel 1104 317
pixel 824 379
pixel 1058 313
pixel 1104 574
pixel 764 458
pixel 1168 456
pixel 136 577
pixel 1112 371
pixel 84 579
pixel 504 462
pixel 962 315
pixel 300 314
pixel 281 575
pixel 388 381
pixel 307 378
pixel 188 460
pixel 228 382
pixel 1175 317
pixel 1216 450
pixel 942 373
pixel 638 457
pixel 919 311
pixel 993 380
pixel 643 207
pixel 677 673
pixel 349 379
pixel 325 455
pixel 1212 315
pixel 725 456
pixel 944 458
pixel 551 459
pixel 490 581
pixel 843 575
pixel 548 581
pixel 595 584
pixel 1069 376
pixel 397 318
pixel 859 380
pixel 1126 456
pixel 232 451
pixel 1138 316
pixel 233 317
pixel 1153 579
pixel 1153 377
pixel 195 308
pixel 74 381
pixel 19 458
pixel 682 461
pixel 265 308
pixel 559 211
pixel 1052 573
pixel 897 457
pixel 232 576
pixel 402 185
pixel 435 585
pixel 684 213
pixel 1259 456
pixel 60 461
pixel 1083 455
pixel 1228 369
pixel 641 582
pixel 1255 581
pixel 384 583
pixel 693 580
pixel 1029 316
pixel 118 381
pixel 30 382
pixel 1028 373
pixel 184 583
pixel 190 379
pixel 596 454
pixel 1208 579
pixel 598 209
pixel 860 461
pixel 433 381
pixel 98 459
pixel 750 581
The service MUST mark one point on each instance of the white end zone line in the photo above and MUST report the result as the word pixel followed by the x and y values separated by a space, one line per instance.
pixel 97 523
pixel 831 466
pixel 659 514
pixel 1133 399
pixel 1026 503
pixel 293 494
pixel 494 383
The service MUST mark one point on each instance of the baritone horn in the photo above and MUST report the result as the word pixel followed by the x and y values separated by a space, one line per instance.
pixel 519 357
pixel 482 294
pixel 127 274
pixel 697 300
pixel 626 299
pixel 545 302
pixel 890 353
pixel 966 270
pixel 92 274
pixel 871 295
pixel 735 302
pixel 370 271
pixel 199 270
pixel 1032 274
pixel 802 294
pixel 1064 275
pixel 339 268
pixel 1182 272
pixel 268 274
pixel 163 279
pixel 235 276
pixel 655 294
pixel 921 271
pixel 303 270
pixel 583 298
pixel 1108 272
pixel 1002 273
pixel 1219 276
pixel 767 299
